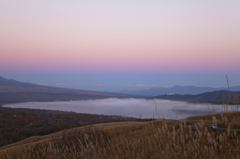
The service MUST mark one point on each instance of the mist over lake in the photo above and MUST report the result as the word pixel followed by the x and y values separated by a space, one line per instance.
pixel 130 107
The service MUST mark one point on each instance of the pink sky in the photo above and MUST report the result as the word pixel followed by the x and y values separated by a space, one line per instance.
pixel 126 36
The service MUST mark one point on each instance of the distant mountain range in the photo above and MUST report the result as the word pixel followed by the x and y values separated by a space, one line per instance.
pixel 216 97
pixel 181 90
pixel 12 91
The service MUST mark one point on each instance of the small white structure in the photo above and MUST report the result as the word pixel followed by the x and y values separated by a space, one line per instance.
pixel 170 94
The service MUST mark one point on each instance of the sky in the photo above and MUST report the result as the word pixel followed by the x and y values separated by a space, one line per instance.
pixel 112 45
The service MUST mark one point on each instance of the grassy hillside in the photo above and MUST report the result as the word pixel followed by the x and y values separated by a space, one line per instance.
pixel 19 124
pixel 189 138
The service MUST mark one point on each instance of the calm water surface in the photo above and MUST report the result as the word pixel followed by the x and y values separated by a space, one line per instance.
pixel 130 107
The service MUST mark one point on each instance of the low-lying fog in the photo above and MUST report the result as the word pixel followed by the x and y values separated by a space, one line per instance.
pixel 130 107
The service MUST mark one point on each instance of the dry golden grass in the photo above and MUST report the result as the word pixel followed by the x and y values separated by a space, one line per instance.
pixel 155 139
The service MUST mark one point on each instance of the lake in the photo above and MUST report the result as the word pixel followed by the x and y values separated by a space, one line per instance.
pixel 129 107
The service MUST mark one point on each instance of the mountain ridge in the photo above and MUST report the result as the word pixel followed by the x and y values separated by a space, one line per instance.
pixel 12 91
pixel 182 90
pixel 215 97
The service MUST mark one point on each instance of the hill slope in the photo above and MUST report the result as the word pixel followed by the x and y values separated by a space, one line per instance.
pixel 12 91
pixel 190 138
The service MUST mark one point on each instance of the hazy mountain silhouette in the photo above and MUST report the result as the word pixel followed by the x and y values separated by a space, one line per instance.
pixel 12 91
pixel 181 90
pixel 11 82
pixel 216 97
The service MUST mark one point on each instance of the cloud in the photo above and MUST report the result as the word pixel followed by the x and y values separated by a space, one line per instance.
pixel 61 84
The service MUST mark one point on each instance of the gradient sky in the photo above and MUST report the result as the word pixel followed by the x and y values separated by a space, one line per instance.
pixel 113 45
